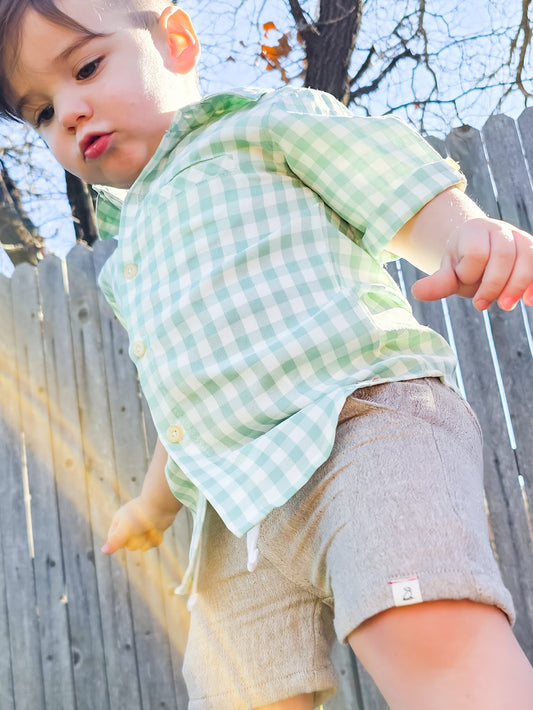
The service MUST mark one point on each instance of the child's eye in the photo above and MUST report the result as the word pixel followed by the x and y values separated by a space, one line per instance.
pixel 88 69
pixel 44 116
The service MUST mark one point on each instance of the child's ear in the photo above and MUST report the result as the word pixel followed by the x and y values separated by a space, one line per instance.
pixel 181 39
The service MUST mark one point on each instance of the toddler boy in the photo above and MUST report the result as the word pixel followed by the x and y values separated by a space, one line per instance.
pixel 304 416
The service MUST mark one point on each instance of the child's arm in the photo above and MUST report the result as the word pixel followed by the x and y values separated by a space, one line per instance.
pixel 467 253
pixel 139 525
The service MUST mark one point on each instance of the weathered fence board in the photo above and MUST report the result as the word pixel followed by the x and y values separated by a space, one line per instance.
pixel 517 377
pixel 6 685
pixel 81 589
pixel 152 642
pixel 45 533
pixel 15 611
pixel 525 130
pixel 76 437
pixel 509 171
pixel 99 463
pixel 466 146
pixel 369 693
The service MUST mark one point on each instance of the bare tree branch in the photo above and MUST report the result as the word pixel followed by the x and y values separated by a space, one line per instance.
pixel 525 29
pixel 362 90
pixel 19 236
pixel 364 66
pixel 302 25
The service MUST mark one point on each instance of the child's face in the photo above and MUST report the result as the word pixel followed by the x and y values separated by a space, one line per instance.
pixel 103 103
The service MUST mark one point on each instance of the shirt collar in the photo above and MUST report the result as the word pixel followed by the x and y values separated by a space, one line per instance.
pixel 191 117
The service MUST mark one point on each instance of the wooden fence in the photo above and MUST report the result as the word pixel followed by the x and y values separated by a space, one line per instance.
pixel 81 631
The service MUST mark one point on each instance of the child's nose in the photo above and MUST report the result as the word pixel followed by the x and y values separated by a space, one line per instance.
pixel 72 111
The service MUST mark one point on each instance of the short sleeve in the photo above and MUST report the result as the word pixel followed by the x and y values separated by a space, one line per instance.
pixel 376 173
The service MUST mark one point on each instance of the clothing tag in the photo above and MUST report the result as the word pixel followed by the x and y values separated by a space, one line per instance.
pixel 406 591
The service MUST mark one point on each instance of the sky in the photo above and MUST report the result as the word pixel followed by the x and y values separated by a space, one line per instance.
pixel 232 31
pixel 464 39
pixel 6 266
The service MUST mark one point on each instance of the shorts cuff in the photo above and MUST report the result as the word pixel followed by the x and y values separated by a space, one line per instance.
pixel 448 584
pixel 322 682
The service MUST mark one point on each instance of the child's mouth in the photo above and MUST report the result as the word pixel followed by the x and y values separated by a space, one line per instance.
pixel 95 145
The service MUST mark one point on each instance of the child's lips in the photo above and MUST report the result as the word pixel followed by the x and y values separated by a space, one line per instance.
pixel 95 145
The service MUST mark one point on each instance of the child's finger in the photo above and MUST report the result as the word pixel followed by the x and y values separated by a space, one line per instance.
pixel 528 295
pixel 500 262
pixel 109 547
pixel 521 278
pixel 441 284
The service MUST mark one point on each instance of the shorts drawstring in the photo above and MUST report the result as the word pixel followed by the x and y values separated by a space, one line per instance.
pixel 193 596
pixel 252 536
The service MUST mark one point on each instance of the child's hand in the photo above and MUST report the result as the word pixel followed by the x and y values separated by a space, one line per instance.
pixel 485 259
pixel 137 526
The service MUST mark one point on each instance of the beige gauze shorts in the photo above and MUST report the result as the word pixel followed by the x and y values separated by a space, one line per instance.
pixel 395 516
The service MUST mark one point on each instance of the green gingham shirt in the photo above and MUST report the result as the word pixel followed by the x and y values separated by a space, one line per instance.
pixel 249 276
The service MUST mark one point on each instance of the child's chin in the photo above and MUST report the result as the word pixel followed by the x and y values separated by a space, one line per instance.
pixel 121 182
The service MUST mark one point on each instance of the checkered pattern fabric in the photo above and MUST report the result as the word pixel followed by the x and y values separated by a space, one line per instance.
pixel 249 276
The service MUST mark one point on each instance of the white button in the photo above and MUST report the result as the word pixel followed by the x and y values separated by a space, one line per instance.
pixel 139 349
pixel 130 271
pixel 174 434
